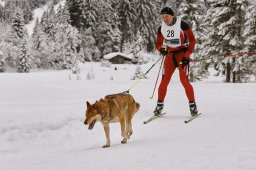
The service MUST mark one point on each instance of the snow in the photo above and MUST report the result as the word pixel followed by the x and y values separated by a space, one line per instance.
pixel 42 114
pixel 2 3
pixel 111 55
pixel 38 13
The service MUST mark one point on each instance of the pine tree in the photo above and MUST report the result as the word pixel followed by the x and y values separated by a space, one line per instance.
pixel 193 12
pixel 67 40
pixel 24 59
pixel 37 35
pixel 250 28
pixel 136 48
pixel 127 13
pixel 138 73
pixel 75 10
pixel 10 7
pixel 106 30
pixel 147 22
pixel 227 25
pixel 89 13
pixel 91 51
pixel 18 25
pixel 2 62
pixel 116 39
pixel 104 41
pixel 250 41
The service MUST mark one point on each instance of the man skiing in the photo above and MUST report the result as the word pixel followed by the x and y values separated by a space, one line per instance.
pixel 175 41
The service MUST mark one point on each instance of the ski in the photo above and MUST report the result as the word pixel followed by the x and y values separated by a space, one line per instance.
pixel 153 118
pixel 192 118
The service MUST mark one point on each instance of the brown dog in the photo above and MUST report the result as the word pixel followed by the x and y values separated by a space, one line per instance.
pixel 119 107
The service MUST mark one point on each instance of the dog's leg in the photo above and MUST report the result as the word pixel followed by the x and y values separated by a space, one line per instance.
pixel 132 110
pixel 130 130
pixel 127 127
pixel 123 130
pixel 129 122
pixel 106 129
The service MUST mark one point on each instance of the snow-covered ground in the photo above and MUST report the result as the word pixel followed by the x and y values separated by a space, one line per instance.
pixel 42 114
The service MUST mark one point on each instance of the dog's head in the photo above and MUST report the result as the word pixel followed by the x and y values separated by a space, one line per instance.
pixel 93 114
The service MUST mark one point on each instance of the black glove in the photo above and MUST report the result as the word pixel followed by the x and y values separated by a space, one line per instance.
pixel 185 61
pixel 163 51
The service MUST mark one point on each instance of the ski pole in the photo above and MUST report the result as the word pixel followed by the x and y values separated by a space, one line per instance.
pixel 151 97
pixel 127 91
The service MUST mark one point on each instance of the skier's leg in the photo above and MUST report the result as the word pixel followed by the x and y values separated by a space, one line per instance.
pixel 186 84
pixel 168 70
pixel 188 89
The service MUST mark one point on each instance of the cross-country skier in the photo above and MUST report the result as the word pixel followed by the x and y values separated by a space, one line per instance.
pixel 175 41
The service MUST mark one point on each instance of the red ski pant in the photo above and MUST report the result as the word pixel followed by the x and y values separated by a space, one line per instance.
pixel 168 70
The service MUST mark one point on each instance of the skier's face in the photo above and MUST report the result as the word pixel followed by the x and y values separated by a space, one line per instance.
pixel 167 19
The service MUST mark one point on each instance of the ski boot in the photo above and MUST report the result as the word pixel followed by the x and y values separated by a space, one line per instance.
pixel 159 108
pixel 193 108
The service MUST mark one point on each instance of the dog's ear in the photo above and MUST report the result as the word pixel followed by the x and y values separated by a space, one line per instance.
pixel 88 104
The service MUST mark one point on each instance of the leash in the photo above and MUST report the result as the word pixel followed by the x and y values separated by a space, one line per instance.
pixel 127 91
pixel 226 56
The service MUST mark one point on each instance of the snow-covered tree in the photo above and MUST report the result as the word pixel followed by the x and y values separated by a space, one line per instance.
pixel 89 12
pixel 6 44
pixel 17 26
pixel 250 28
pixel 24 59
pixel 65 54
pixel 75 10
pixel 193 12
pixel 147 22
pixel 250 41
pixel 37 36
pixel 227 25
pixel 91 51
pixel 2 62
pixel 104 41
pixel 136 48
pixel 138 74
pixel 127 14
pixel 116 39
pixel 10 7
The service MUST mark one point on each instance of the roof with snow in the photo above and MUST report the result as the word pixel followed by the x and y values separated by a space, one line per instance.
pixel 112 55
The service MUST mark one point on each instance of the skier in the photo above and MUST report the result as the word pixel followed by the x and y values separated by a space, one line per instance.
pixel 175 41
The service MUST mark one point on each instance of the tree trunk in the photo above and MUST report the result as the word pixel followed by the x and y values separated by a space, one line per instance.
pixel 234 77
pixel 228 72
pixel 191 75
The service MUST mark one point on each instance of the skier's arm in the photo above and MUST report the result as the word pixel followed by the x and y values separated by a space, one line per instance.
pixel 190 37
pixel 159 39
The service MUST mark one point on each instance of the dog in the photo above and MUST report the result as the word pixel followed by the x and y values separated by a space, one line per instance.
pixel 119 107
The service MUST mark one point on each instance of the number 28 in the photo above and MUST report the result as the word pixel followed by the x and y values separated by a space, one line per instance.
pixel 170 33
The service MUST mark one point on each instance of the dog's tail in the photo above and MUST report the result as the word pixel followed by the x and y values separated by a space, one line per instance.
pixel 137 106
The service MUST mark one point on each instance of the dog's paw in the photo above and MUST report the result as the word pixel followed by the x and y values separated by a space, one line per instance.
pixel 124 141
pixel 106 146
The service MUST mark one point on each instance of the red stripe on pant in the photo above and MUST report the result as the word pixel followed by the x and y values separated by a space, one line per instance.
pixel 168 71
